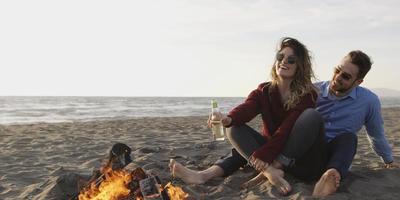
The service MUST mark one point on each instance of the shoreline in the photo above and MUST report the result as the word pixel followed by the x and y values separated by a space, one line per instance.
pixel 111 119
pixel 104 119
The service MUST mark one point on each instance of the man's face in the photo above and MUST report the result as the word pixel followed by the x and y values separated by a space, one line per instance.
pixel 344 77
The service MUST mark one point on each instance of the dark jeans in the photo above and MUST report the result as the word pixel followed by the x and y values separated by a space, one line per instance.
pixel 305 147
pixel 341 151
pixel 239 156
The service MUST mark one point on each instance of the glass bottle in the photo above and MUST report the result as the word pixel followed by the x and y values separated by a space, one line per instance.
pixel 216 125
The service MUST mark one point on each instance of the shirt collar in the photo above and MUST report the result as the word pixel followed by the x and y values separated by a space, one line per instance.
pixel 325 92
pixel 353 93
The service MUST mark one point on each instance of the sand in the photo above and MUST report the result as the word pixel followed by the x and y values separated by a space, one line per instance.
pixel 44 161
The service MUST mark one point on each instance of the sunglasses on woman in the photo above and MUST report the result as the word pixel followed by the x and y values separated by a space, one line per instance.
pixel 344 75
pixel 290 59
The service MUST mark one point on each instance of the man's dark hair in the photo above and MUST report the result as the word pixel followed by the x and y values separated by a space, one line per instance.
pixel 362 60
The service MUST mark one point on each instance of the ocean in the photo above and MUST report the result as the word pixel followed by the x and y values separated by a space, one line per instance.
pixel 25 110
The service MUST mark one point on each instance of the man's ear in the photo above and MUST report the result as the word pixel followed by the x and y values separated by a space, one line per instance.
pixel 359 81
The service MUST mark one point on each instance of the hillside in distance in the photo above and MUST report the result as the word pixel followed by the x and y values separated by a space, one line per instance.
pixel 384 92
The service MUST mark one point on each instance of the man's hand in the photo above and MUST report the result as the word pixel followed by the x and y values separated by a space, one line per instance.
pixel 392 165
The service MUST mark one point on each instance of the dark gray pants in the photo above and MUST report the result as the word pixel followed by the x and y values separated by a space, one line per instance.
pixel 341 151
pixel 304 154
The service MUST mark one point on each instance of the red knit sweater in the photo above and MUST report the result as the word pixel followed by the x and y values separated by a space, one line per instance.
pixel 277 121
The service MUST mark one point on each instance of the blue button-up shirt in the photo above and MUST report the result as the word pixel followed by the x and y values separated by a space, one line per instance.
pixel 347 115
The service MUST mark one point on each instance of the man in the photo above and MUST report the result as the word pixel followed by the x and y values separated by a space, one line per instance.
pixel 345 108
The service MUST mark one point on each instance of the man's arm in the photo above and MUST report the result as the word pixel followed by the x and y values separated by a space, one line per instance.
pixel 376 133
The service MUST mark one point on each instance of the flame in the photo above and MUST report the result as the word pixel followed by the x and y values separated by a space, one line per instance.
pixel 175 192
pixel 113 187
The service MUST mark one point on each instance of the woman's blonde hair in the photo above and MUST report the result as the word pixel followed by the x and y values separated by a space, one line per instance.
pixel 301 84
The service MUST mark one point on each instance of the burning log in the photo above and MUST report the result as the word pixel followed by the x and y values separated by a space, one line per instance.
pixel 127 182
pixel 135 185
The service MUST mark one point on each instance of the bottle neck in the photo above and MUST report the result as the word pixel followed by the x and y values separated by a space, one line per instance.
pixel 215 109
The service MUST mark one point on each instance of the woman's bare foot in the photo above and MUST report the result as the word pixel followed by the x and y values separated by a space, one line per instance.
pixel 260 178
pixel 275 177
pixel 187 175
pixel 277 165
pixel 327 184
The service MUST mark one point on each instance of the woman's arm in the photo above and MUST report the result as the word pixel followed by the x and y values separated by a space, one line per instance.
pixel 271 149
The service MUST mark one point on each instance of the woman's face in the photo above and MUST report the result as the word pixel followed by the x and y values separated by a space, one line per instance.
pixel 286 63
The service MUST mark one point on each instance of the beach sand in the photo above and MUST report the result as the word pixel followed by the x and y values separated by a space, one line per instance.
pixel 43 161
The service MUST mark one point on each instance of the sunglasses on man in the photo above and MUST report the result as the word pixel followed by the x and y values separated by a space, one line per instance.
pixel 290 59
pixel 344 75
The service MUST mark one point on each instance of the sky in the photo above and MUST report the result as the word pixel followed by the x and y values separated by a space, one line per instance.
pixel 184 47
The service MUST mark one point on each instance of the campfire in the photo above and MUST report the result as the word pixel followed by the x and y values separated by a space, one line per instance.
pixel 128 182
pixel 125 185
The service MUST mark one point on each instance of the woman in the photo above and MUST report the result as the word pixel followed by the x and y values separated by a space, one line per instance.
pixel 280 103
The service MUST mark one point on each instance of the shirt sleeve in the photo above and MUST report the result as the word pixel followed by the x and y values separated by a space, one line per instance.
pixel 376 134
pixel 271 149
pixel 246 111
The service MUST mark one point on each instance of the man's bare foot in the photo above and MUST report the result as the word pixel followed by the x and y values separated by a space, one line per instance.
pixel 260 178
pixel 327 184
pixel 275 177
pixel 187 175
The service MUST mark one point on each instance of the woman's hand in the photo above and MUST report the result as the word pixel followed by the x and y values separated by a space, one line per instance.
pixel 257 164
pixel 225 120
